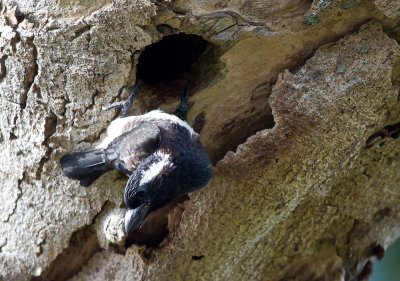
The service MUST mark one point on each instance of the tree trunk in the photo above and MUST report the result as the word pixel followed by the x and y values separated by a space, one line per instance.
pixel 297 104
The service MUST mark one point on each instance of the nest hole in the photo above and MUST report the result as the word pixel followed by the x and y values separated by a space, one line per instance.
pixel 170 58
pixel 166 66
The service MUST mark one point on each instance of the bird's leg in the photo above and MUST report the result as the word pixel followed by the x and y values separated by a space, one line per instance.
pixel 182 109
pixel 127 104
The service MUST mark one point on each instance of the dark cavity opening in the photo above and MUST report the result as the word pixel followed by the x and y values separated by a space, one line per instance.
pixel 170 58
pixel 380 137
pixel 197 258
pixel 167 66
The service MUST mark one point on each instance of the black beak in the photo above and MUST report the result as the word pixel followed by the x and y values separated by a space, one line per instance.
pixel 134 218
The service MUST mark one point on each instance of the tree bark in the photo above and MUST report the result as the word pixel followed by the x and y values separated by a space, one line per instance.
pixel 297 104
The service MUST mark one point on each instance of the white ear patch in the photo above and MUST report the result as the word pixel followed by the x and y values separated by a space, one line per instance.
pixel 155 168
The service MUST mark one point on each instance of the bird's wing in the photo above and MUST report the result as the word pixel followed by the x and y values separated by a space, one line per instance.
pixel 127 150
pixel 118 127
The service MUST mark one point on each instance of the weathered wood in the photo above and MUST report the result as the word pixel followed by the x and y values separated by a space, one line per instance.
pixel 306 95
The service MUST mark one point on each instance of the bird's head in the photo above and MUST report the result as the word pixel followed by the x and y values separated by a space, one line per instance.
pixel 149 188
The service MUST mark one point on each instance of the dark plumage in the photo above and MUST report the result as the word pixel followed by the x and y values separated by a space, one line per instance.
pixel 160 153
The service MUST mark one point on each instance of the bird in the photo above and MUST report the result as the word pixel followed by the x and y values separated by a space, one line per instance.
pixel 160 153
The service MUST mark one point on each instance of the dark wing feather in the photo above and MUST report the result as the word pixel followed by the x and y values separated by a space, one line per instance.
pixel 126 151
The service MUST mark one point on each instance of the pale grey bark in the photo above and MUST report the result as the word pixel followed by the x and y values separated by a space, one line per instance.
pixel 298 91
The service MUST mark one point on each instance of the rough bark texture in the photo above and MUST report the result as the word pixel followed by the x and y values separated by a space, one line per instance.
pixel 305 94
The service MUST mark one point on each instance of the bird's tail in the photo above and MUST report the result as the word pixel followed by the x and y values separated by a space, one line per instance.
pixel 85 166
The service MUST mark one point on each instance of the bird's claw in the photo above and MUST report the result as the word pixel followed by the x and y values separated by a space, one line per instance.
pixel 126 104
pixel 182 109
pixel 119 104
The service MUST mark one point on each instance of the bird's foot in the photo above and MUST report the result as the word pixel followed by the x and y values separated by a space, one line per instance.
pixel 127 104
pixel 182 109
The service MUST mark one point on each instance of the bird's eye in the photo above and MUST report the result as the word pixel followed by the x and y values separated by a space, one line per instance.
pixel 137 199
pixel 134 202
pixel 141 194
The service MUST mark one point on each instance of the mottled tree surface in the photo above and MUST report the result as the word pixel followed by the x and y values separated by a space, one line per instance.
pixel 297 104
